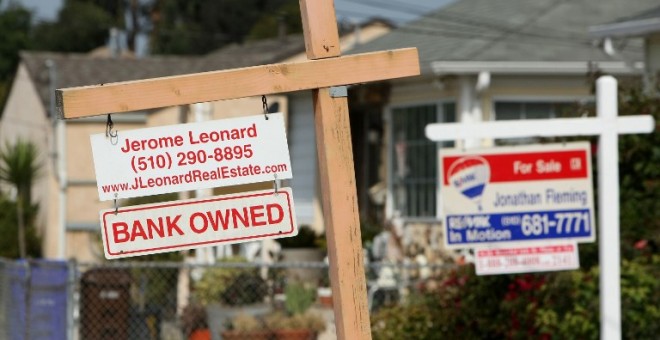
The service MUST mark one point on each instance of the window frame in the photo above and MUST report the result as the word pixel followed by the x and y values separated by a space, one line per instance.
pixel 535 99
pixel 531 100
pixel 390 210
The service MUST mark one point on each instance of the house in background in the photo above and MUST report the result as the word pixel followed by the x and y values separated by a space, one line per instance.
pixel 483 60
pixel 645 25
pixel 69 208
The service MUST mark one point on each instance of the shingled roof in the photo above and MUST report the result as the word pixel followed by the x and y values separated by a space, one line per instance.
pixel 84 69
pixel 642 23
pixel 512 30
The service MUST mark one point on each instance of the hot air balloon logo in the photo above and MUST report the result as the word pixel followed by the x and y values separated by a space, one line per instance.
pixel 469 175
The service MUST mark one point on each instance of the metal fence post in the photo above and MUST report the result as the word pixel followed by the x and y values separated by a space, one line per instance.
pixel 70 290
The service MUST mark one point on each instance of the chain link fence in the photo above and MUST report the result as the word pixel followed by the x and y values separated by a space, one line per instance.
pixel 232 299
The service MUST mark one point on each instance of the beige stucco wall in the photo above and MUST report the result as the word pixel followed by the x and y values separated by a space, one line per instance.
pixel 220 110
pixel 83 204
pixel 25 117
pixel 84 246
pixel 51 230
pixel 165 116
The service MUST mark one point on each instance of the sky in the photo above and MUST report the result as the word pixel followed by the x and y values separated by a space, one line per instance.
pixel 398 11
pixel 354 11
pixel 44 9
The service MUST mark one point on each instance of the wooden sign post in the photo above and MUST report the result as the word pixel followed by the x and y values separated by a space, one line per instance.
pixel 324 70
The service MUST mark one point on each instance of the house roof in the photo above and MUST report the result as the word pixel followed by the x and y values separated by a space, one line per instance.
pixel 511 31
pixel 75 69
pixel 639 24
pixel 260 52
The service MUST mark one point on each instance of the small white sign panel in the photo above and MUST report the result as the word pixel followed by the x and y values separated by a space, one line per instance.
pixel 191 156
pixel 189 224
pixel 515 195
pixel 537 258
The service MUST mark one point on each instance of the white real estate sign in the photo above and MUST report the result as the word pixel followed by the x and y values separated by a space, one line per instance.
pixel 191 156
pixel 188 224
pixel 516 194
pixel 541 257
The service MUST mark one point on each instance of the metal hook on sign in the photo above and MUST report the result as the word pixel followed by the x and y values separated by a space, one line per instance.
pixel 264 102
pixel 116 207
pixel 109 133
pixel 276 184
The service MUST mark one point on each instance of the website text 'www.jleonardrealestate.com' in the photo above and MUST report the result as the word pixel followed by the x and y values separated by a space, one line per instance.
pixel 193 176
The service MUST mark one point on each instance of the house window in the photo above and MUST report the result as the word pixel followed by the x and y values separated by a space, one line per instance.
pixel 516 110
pixel 414 164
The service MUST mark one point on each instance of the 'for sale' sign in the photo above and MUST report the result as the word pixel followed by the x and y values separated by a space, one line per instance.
pixel 516 194
pixel 191 156
pixel 189 224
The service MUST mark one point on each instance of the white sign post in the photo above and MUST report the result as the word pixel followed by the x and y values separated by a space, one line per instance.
pixel 191 156
pixel 607 126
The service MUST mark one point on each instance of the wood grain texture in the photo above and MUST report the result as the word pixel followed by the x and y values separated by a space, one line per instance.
pixel 340 212
pixel 337 177
pixel 320 28
pixel 77 102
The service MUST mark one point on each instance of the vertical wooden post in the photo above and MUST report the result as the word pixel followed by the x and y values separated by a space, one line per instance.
pixel 320 28
pixel 340 211
pixel 339 196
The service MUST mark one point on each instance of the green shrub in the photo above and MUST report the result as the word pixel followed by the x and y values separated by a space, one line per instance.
pixel 230 286
pixel 562 305
pixel 463 306
pixel 298 298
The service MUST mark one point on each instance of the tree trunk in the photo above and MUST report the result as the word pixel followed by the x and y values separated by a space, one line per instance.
pixel 21 226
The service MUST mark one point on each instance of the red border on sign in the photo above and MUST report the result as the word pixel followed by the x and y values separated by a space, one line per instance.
pixel 502 165
pixel 567 248
pixel 176 204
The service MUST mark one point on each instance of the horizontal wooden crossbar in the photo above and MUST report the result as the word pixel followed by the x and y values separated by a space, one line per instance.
pixel 78 102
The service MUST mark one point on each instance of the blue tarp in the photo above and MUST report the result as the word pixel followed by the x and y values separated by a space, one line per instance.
pixel 39 299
